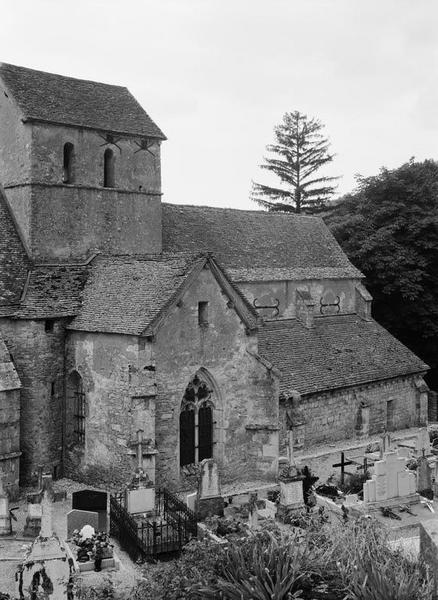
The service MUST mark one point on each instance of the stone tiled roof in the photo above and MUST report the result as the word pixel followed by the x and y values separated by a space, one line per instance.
pixel 64 100
pixel 9 379
pixel 340 351
pixel 257 245
pixel 53 291
pixel 129 295
pixel 14 261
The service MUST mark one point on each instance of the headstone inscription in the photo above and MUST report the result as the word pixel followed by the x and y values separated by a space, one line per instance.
pixel 210 501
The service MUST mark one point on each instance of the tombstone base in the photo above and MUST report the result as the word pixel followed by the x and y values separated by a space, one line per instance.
pixel 5 525
pixel 392 502
pixel 286 511
pixel 209 507
pixel 32 527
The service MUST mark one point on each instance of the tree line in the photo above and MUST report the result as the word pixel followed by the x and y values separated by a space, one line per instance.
pixel 388 227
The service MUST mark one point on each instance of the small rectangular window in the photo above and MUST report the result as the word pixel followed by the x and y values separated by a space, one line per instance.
pixel 203 314
pixel 48 326
pixel 52 389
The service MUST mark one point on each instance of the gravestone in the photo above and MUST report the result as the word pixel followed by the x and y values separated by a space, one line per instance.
pixel 252 511
pixel 210 501
pixel 33 520
pixel 46 571
pixel 76 519
pixel 140 493
pixel 385 443
pixel 424 477
pixel 191 500
pixel 423 443
pixel 291 493
pixel 5 517
pixel 93 501
pixel 391 483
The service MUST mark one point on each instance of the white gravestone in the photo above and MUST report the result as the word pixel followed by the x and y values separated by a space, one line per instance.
pixel 141 500
pixel 390 481
pixel 209 485
pixel 5 517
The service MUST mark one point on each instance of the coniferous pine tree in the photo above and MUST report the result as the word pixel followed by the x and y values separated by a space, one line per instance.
pixel 299 152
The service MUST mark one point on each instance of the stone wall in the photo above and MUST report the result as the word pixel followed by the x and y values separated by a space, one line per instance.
pixel 10 438
pixel 15 147
pixel 39 360
pixel 135 169
pixel 245 391
pixel 268 292
pixel 333 415
pixel 64 222
pixel 132 383
pixel 119 383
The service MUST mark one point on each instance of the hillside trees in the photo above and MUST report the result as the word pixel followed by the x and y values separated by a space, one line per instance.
pixel 389 230
pixel 298 154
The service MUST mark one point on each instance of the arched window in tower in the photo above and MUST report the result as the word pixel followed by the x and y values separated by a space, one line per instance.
pixel 68 164
pixel 196 423
pixel 76 409
pixel 109 161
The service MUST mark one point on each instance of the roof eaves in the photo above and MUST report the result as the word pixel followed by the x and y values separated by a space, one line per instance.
pixel 31 119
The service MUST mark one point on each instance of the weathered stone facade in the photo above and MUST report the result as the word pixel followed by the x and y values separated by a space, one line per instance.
pixel 190 327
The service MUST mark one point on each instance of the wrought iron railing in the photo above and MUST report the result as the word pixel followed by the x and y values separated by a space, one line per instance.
pixel 171 527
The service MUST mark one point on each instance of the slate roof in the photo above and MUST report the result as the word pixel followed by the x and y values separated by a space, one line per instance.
pixel 53 291
pixel 257 245
pixel 340 351
pixel 9 379
pixel 14 261
pixel 128 295
pixel 64 100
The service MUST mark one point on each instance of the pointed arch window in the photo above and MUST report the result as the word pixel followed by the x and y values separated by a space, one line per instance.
pixel 109 165
pixel 68 163
pixel 196 423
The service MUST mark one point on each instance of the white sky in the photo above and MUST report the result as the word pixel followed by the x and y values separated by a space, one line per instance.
pixel 217 75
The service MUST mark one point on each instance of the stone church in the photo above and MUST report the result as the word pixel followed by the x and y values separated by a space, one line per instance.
pixel 208 332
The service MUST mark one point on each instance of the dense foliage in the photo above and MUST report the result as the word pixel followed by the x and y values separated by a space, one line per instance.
pixel 389 230
pixel 299 152
pixel 322 561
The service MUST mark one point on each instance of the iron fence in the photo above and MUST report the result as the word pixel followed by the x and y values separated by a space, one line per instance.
pixel 167 531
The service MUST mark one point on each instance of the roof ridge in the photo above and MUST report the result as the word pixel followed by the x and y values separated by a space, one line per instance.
pixel 62 76
pixel 243 210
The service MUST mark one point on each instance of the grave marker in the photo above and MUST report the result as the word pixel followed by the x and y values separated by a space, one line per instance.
pixel 140 494
pixel 5 516
pixel 391 484
pixel 344 463
pixel 76 519
pixel 210 501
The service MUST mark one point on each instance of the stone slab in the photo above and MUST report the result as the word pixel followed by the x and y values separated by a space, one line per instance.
pixel 141 500
pixel 208 507
pixel 291 493
pixel 76 519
